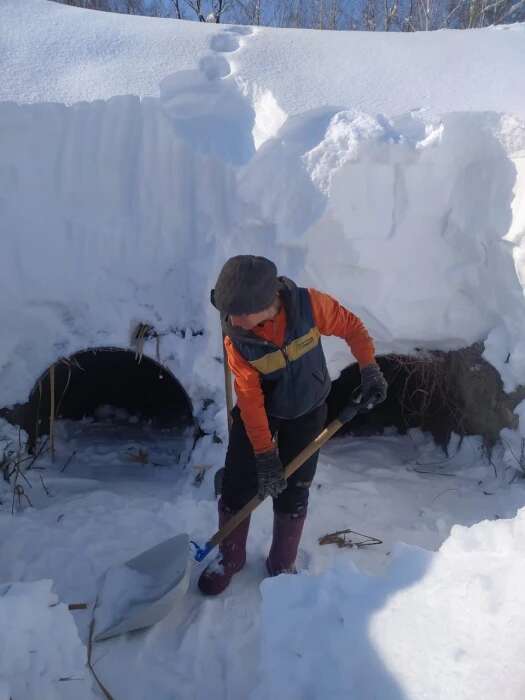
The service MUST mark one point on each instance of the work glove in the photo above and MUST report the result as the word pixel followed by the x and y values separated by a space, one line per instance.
pixel 270 474
pixel 373 387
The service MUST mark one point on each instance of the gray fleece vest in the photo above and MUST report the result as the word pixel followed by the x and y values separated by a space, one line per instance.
pixel 294 377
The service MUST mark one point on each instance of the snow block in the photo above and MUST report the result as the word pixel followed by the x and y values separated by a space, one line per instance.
pixel 447 624
pixel 41 655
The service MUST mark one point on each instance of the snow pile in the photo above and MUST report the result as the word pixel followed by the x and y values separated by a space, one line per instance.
pixel 448 624
pixel 415 224
pixel 62 54
pixel 41 655
pixel 408 221
pixel 121 210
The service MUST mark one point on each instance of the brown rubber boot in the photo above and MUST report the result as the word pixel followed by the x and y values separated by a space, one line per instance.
pixel 232 556
pixel 287 531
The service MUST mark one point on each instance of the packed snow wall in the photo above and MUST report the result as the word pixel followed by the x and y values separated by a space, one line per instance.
pixel 121 212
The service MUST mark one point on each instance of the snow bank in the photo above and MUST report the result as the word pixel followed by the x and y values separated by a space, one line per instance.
pixel 118 212
pixel 122 209
pixel 62 54
pixel 408 221
pixel 41 655
pixel 447 624
pixel 103 228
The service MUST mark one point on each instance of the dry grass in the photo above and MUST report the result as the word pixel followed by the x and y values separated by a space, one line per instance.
pixel 14 464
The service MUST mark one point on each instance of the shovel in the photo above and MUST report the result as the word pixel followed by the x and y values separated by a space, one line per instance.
pixel 145 589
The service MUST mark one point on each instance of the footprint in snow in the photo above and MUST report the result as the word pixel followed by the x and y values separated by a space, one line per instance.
pixel 215 67
pixel 200 105
pixel 225 43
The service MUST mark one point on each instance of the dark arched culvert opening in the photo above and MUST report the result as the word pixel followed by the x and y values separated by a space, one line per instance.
pixel 106 385
pixel 439 392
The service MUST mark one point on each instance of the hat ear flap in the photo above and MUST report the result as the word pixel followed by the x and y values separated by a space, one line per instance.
pixel 212 298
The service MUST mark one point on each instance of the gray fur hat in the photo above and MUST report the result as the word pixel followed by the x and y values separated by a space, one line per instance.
pixel 246 284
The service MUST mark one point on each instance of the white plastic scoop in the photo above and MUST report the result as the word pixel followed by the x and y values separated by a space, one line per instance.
pixel 144 590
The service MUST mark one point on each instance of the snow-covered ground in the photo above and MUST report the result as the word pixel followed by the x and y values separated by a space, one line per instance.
pixel 135 156
pixel 53 54
pixel 405 623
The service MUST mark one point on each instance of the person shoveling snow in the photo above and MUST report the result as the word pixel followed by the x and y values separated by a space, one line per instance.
pixel 272 332
pixel 272 339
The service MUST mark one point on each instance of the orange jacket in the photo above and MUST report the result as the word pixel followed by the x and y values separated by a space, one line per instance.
pixel 331 319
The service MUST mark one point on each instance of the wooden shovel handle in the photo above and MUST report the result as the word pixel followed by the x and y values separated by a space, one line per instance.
pixel 294 465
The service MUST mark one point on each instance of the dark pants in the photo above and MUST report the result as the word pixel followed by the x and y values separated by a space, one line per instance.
pixel 240 477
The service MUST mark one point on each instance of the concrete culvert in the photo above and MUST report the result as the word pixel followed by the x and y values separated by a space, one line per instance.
pixel 107 394
pixel 439 392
